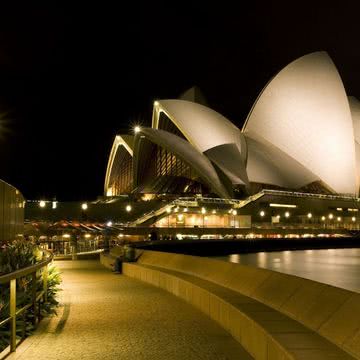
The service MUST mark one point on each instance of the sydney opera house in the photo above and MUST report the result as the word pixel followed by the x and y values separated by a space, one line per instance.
pixel 302 133
pixel 302 136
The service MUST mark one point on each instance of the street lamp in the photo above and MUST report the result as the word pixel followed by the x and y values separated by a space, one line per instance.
pixel 128 208
pixel 84 206
pixel 42 203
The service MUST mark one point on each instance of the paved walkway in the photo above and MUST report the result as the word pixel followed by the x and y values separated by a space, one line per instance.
pixel 106 316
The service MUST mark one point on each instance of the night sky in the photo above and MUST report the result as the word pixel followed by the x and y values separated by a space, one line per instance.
pixel 72 78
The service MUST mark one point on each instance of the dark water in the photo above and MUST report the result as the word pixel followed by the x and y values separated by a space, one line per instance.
pixel 338 267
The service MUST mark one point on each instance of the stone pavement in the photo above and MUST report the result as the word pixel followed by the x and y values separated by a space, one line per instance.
pixel 107 316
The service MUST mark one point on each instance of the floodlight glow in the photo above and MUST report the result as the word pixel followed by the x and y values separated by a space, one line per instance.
pixel 84 206
pixel 42 204
pixel 128 208
pixel 137 129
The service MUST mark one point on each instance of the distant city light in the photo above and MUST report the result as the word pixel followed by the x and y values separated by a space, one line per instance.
pixel 309 215
pixel 262 213
pixel 156 103
pixel 84 206
pixel 128 208
pixel 42 204
pixel 137 129
pixel 109 223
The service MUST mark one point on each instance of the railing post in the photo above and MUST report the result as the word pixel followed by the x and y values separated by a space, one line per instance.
pixel 13 315
pixel 33 285
pixel 45 281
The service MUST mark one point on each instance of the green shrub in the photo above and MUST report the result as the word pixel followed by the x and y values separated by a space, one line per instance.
pixel 18 255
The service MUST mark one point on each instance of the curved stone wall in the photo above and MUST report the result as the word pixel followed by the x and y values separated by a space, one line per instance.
pixel 11 212
pixel 330 312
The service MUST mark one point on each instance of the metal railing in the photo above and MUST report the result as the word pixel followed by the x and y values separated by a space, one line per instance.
pixel 36 296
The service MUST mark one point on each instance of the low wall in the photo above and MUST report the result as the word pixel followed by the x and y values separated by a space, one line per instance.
pixel 11 212
pixel 331 312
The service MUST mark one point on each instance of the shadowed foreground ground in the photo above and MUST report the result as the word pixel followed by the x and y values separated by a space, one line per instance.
pixel 107 316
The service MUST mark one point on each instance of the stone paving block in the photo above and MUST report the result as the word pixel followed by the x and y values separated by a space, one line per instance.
pixel 343 323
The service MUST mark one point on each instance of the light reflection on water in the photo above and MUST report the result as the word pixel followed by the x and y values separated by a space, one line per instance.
pixel 338 267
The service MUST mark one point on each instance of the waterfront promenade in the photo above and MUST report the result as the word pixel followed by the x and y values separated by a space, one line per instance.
pixel 107 316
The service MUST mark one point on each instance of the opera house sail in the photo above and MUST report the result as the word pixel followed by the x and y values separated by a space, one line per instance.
pixel 301 134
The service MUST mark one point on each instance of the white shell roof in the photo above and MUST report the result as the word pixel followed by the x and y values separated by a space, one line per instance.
pixel 127 141
pixel 203 127
pixel 304 112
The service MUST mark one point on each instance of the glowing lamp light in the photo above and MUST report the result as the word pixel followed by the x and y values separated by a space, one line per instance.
pixel 137 129
pixel 353 219
pixel 331 216
pixel 84 206
pixel 262 213
pixel 323 218
pixel 109 223
pixel 309 215
pixel 156 103
pixel 66 236
pixel 214 211
pixel 234 212
pixel 87 236
pixel 186 210
pixel 128 208
pixel 180 216
pixel 339 218
pixel 287 214
pixel 42 203
pixel 203 210
pixel 54 204
pixel 168 210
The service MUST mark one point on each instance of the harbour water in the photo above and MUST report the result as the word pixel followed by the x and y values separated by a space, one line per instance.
pixel 337 267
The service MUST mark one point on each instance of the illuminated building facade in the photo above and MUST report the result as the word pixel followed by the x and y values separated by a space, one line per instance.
pixel 302 134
